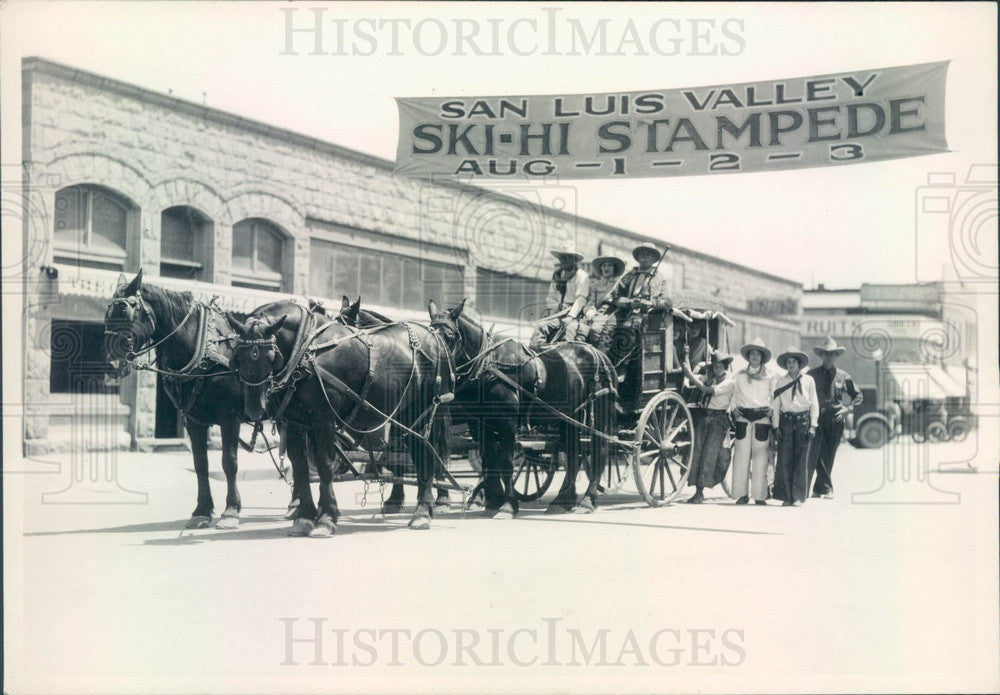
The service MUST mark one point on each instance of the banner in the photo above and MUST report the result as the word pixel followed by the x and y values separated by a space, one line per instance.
pixel 826 120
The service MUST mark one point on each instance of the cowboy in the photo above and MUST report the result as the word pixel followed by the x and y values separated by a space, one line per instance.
pixel 831 386
pixel 598 324
pixel 753 393
pixel 794 416
pixel 642 288
pixel 712 422
pixel 564 303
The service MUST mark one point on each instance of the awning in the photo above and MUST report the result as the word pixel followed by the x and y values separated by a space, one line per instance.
pixel 922 381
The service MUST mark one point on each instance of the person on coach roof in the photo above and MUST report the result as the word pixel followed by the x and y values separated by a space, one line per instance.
pixel 643 288
pixel 832 384
pixel 565 301
pixel 598 324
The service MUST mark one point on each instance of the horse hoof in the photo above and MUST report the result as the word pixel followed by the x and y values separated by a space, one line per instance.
pixel 199 522
pixel 228 523
pixel 421 521
pixel 586 506
pixel 391 508
pixel 293 510
pixel 324 528
pixel 444 502
pixel 301 527
pixel 558 509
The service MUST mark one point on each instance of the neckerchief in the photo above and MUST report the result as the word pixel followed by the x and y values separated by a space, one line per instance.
pixel 795 384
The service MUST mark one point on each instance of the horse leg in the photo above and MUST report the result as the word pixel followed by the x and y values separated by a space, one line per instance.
pixel 329 513
pixel 230 440
pixel 440 432
pixel 493 492
pixel 506 444
pixel 298 448
pixel 565 499
pixel 397 496
pixel 201 517
pixel 423 463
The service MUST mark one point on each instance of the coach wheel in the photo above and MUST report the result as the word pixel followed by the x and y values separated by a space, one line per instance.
pixel 617 473
pixel 532 475
pixel 872 434
pixel 958 429
pixel 919 435
pixel 937 432
pixel 662 455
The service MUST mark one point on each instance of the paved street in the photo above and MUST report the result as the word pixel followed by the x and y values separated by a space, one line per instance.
pixel 848 594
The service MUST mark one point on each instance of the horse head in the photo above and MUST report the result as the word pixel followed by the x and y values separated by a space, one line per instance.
pixel 256 358
pixel 463 334
pixel 129 325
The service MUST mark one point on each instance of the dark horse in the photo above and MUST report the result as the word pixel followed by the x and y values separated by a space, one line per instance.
pixel 193 348
pixel 354 315
pixel 502 385
pixel 342 384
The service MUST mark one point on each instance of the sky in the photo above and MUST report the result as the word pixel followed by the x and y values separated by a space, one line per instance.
pixel 839 226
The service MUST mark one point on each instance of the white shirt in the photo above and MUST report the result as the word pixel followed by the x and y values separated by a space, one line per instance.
pixel 792 401
pixel 753 392
pixel 721 394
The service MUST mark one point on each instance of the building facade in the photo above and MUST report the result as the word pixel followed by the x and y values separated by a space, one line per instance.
pixel 904 341
pixel 242 212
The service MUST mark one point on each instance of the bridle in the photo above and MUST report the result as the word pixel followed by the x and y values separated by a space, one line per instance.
pixel 254 345
pixel 134 303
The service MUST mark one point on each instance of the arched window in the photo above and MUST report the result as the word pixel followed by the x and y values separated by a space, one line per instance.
pixel 258 254
pixel 92 226
pixel 183 235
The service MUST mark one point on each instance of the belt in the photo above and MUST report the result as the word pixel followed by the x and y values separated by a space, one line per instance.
pixel 753 414
pixel 798 415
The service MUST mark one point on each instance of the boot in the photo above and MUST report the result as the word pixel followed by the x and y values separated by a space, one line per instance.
pixel 697 498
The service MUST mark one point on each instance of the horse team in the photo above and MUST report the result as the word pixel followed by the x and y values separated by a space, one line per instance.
pixel 339 383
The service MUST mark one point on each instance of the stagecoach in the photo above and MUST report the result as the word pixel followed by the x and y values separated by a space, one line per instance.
pixel 654 443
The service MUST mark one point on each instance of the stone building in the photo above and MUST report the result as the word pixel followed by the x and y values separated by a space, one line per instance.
pixel 122 178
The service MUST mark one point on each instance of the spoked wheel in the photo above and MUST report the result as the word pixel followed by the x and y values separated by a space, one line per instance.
pixel 617 472
pixel 532 475
pixel 661 460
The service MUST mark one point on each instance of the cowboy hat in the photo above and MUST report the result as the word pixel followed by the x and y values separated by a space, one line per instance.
pixel 718 356
pixel 563 252
pixel 802 357
pixel 618 263
pixel 829 345
pixel 756 344
pixel 648 247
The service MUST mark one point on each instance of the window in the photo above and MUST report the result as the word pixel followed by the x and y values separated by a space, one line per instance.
pixel 383 278
pixel 510 296
pixel 183 231
pixel 91 227
pixel 77 359
pixel 257 255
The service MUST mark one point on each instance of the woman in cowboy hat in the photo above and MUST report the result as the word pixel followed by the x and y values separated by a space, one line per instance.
pixel 712 421
pixel 794 414
pixel 597 321
pixel 568 291
pixel 831 386
pixel 751 406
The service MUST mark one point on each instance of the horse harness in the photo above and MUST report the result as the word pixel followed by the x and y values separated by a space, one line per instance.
pixel 301 366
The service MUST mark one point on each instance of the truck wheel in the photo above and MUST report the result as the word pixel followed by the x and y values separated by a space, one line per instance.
pixel 872 434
